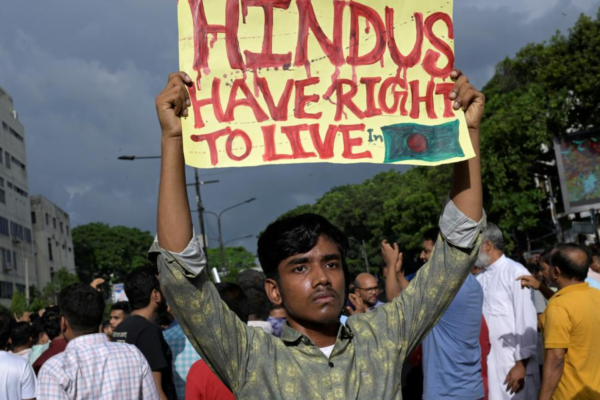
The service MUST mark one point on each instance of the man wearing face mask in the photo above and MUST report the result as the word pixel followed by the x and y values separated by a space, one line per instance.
pixel 512 320
pixel 147 300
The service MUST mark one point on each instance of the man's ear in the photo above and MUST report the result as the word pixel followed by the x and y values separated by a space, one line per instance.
pixel 156 296
pixel 555 273
pixel 272 289
pixel 64 324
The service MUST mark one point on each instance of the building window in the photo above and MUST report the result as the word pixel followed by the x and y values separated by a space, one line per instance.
pixel 4 226
pixel 2 192
pixel 6 290
pixel 61 227
pixel 33 221
pixel 50 249
pixel 54 222
pixel 69 249
pixel 15 134
pixel 14 260
pixel 47 219
pixel 27 235
pixel 1 158
pixel 6 259
pixel 7 159
pixel 67 230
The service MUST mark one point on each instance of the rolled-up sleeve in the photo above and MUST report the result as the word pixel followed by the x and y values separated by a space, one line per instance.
pixel 216 333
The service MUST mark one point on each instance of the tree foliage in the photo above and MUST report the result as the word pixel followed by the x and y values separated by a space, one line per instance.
pixel 18 305
pixel 546 90
pixel 237 259
pixel 102 250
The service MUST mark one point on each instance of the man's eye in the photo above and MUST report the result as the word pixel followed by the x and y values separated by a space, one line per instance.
pixel 332 265
pixel 300 268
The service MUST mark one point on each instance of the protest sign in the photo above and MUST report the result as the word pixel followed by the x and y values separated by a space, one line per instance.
pixel 301 81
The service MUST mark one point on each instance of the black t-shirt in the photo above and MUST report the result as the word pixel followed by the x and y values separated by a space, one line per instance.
pixel 148 338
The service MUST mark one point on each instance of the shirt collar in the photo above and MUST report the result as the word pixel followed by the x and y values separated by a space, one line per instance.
pixel 576 287
pixel 94 338
pixel 496 263
pixel 290 335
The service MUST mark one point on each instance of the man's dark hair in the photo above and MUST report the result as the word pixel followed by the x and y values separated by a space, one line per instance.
pixel 431 234
pixel 546 255
pixel 51 322
pixel 21 334
pixel 573 260
pixel 533 268
pixel 105 324
pixel 297 235
pixel 235 298
pixel 6 323
pixel 38 328
pixel 251 278
pixel 123 306
pixel 139 285
pixel 259 304
pixel 83 307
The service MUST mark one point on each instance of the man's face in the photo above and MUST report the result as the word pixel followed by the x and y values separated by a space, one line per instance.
pixel 483 258
pixel 547 274
pixel 426 250
pixel 311 286
pixel 116 317
pixel 367 289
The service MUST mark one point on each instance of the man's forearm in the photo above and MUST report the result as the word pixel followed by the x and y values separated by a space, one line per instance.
pixel 553 370
pixel 392 286
pixel 466 192
pixel 174 219
pixel 546 291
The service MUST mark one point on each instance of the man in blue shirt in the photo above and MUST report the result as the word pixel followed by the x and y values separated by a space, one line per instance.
pixel 451 352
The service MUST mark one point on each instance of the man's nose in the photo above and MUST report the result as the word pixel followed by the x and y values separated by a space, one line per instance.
pixel 320 276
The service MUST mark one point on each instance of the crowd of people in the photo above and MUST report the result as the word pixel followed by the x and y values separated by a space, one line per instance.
pixel 471 324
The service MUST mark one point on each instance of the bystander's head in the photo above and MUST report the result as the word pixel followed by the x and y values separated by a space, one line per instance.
pixel 118 312
pixel 39 334
pixel 51 322
pixel 143 290
pixel 82 309
pixel 235 298
pixel 21 337
pixel 569 263
pixel 429 238
pixel 304 259
pixel 492 246
pixel 251 279
pixel 6 323
pixel 367 288
pixel 106 329
pixel 595 252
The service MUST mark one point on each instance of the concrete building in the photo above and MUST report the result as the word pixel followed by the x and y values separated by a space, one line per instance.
pixel 17 264
pixel 52 238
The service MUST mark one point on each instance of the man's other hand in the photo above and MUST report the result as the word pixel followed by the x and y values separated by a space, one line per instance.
pixel 528 281
pixel 359 306
pixel 172 104
pixel 515 380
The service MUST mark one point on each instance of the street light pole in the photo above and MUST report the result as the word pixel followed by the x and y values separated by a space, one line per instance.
pixel 220 231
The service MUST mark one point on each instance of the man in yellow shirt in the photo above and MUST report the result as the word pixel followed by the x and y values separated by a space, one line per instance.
pixel 571 328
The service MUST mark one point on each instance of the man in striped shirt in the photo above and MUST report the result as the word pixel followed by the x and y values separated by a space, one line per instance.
pixel 92 367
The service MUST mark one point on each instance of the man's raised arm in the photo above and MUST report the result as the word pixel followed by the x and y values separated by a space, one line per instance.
pixel 174 219
pixel 466 192
pixel 181 262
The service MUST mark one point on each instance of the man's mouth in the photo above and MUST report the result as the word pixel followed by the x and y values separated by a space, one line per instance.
pixel 324 297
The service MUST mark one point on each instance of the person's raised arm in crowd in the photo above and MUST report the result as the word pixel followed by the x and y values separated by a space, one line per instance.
pixel 395 281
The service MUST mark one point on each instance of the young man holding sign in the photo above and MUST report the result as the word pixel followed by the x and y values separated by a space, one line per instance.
pixel 304 261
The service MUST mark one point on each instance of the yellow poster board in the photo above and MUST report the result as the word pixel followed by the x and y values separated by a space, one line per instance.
pixel 305 81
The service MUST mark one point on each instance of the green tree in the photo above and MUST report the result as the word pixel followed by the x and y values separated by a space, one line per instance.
pixel 237 259
pixel 545 91
pixel 18 305
pixel 61 279
pixel 102 250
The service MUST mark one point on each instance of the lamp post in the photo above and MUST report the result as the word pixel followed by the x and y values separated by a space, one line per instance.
pixel 197 183
pixel 363 251
pixel 220 231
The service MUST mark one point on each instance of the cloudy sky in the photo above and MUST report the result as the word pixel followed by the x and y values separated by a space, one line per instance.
pixel 84 74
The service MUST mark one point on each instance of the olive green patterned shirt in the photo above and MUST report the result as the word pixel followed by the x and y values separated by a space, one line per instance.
pixel 366 361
